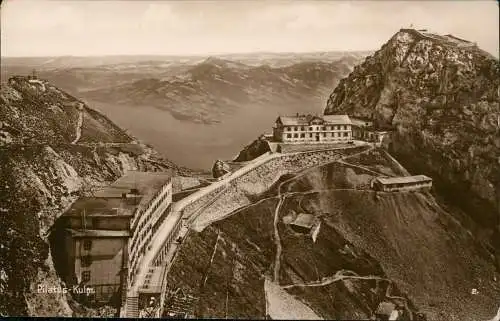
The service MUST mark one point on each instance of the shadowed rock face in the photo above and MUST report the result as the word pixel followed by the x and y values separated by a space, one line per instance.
pixel 53 148
pixel 441 95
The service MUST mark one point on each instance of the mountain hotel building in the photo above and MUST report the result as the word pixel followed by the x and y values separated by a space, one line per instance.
pixel 105 235
pixel 313 129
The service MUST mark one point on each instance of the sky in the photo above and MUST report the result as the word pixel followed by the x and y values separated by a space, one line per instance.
pixel 94 28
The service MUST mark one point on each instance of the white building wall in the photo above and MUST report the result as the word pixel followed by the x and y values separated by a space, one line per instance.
pixel 316 133
pixel 143 233
pixel 106 260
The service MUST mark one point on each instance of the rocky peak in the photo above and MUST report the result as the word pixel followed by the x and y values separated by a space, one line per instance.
pixel 441 94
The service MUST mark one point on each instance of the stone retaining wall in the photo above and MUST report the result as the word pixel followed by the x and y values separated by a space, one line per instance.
pixel 259 180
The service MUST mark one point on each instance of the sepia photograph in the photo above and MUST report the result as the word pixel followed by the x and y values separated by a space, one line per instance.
pixel 250 159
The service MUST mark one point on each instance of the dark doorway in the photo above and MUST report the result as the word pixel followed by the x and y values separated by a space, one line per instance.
pixel 317 137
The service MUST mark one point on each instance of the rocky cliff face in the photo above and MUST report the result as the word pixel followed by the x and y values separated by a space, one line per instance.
pixel 441 96
pixel 53 148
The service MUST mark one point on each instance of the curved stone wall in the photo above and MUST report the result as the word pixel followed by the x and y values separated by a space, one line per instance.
pixel 259 180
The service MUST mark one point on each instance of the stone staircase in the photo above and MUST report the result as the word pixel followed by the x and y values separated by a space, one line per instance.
pixel 132 307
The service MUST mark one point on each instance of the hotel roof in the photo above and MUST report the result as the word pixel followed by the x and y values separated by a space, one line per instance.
pixel 403 179
pixel 304 220
pixel 337 119
pixel 109 200
pixel 361 122
pixel 142 181
pixel 101 206
pixel 307 119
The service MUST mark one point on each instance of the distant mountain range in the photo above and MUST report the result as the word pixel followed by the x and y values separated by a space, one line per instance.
pixel 215 88
pixel 253 58
pixel 197 89
pixel 203 106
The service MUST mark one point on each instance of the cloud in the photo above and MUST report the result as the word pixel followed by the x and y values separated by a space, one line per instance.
pixel 35 27
pixel 162 16
pixel 39 15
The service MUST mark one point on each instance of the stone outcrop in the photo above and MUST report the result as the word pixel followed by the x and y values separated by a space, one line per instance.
pixel 253 150
pixel 440 94
pixel 43 169
pixel 220 169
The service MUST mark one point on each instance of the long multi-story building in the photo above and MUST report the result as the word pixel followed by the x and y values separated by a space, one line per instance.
pixel 106 234
pixel 403 183
pixel 313 129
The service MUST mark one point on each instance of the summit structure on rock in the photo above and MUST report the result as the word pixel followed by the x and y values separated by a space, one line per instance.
pixel 440 94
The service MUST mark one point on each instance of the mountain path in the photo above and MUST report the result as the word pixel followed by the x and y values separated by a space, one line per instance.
pixel 211 260
pixel 338 276
pixel 348 274
pixel 277 240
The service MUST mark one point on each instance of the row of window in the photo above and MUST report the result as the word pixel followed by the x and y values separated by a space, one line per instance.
pixel 303 135
pixel 141 249
pixel 161 255
pixel 398 185
pixel 334 127
pixel 145 220
pixel 162 217
pixel 151 204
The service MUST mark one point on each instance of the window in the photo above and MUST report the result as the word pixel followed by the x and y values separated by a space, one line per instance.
pixel 346 134
pixel 86 276
pixel 86 261
pixel 323 128
pixel 288 135
pixel 301 128
pixel 310 128
pixel 345 127
pixel 324 134
pixel 295 135
pixel 295 128
pixel 302 135
pixel 87 245
pixel 310 135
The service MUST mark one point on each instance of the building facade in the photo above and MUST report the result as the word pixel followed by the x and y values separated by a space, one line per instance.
pixel 105 235
pixel 313 129
pixel 363 129
pixel 148 217
pixel 98 259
